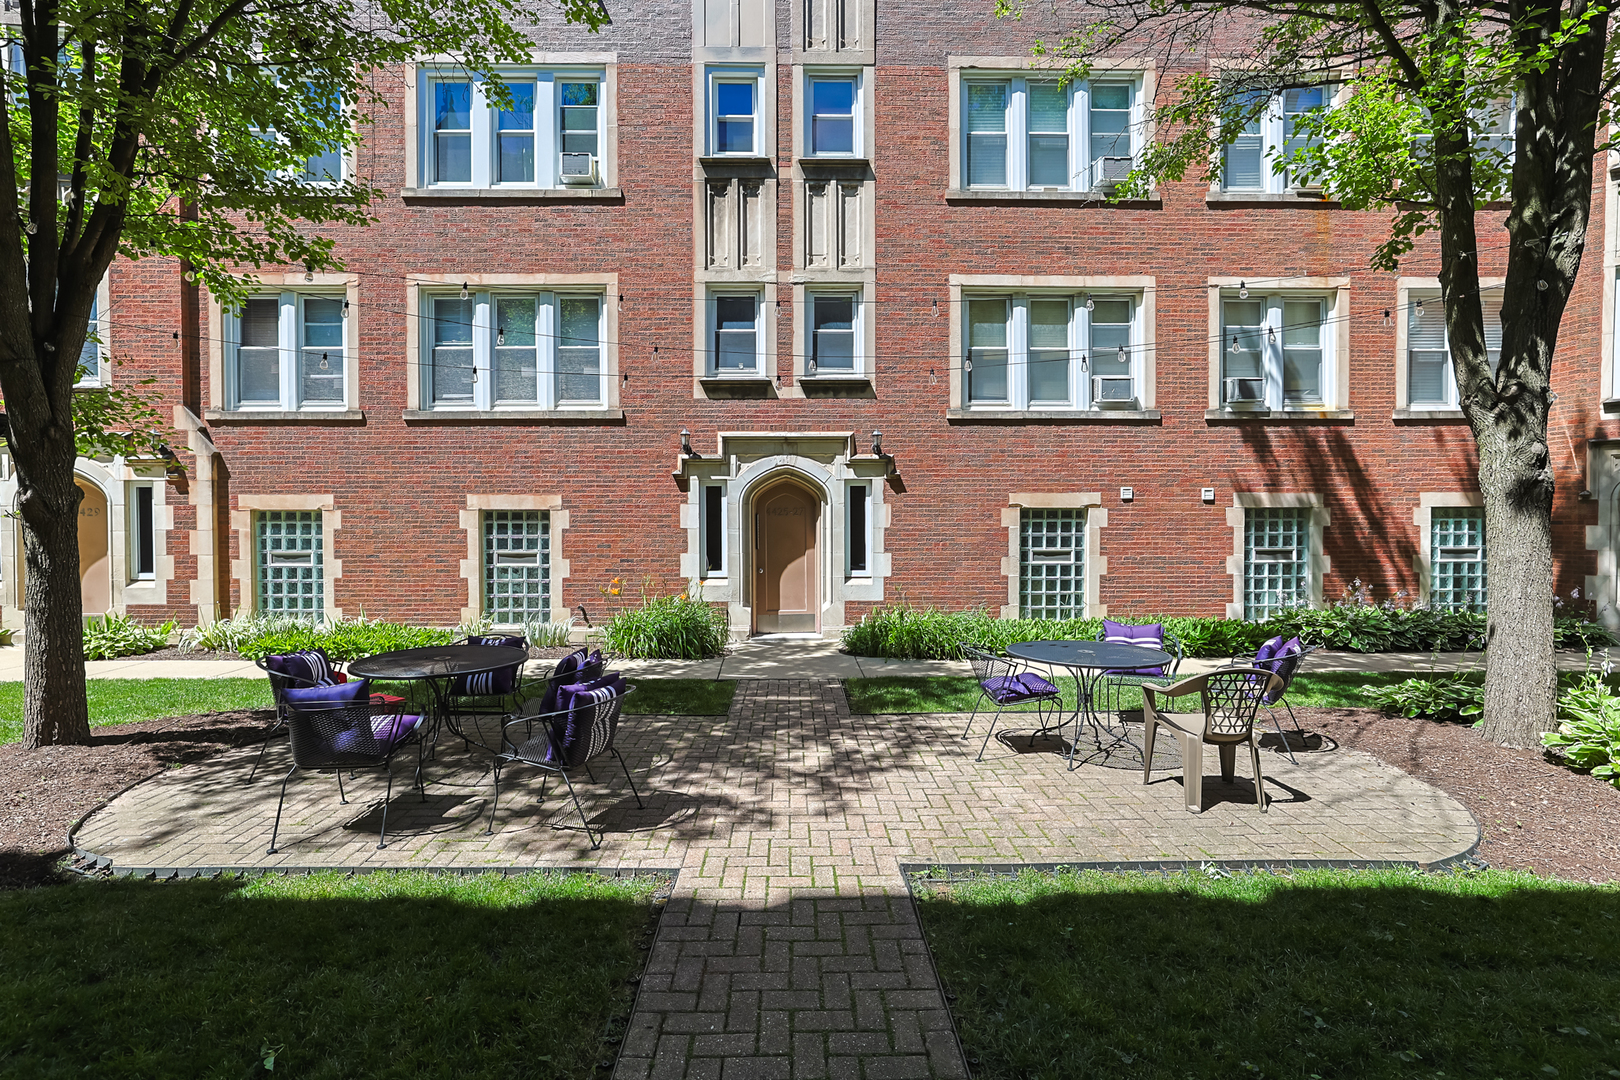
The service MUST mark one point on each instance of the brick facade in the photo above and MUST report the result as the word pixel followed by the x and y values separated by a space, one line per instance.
pixel 402 481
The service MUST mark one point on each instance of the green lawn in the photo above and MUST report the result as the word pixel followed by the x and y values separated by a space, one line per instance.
pixel 1320 976
pixel 957 693
pixel 681 697
pixel 398 974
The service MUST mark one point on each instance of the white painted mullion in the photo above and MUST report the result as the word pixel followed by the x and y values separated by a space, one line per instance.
pixel 1018 136
pixel 287 338
pixel 545 353
pixel 1080 354
pixel 481 116
pixel 1330 353
pixel 1271 342
pixel 1138 359
pixel 483 336
pixel 1018 355
pixel 1080 137
pixel 1273 128
pixel 547 125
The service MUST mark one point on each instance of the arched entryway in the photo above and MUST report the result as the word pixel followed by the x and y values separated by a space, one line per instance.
pixel 787 592
pixel 95 550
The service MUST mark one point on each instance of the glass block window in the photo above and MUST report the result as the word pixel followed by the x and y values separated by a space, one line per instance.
pixel 290 562
pixel 1276 546
pixel 517 565
pixel 1051 564
pixel 1457 558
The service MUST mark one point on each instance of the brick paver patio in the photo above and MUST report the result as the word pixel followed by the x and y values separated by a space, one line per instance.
pixel 789 948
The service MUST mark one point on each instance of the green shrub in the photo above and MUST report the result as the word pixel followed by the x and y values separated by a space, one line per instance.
pixel 546 635
pixel 1454 697
pixel 680 626
pixel 112 636
pixel 258 636
pixel 1588 735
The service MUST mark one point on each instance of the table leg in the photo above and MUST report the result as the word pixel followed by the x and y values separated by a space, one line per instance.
pixel 1088 698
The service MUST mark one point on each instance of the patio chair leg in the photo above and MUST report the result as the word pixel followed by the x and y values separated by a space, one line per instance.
pixel 1192 771
pixel 1277 723
pixel 589 773
pixel 971 715
pixel 987 735
pixel 1259 781
pixel 1147 746
pixel 342 798
pixel 263 747
pixel 626 767
pixel 274 832
pixel 495 801
pixel 388 794
pixel 595 843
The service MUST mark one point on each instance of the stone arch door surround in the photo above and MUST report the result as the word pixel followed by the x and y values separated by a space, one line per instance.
pixel 95 549
pixel 786 529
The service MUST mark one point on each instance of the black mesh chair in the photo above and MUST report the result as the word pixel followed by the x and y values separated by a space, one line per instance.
pixel 1004 683
pixel 567 740
pixel 1229 698
pixel 349 735
pixel 505 683
pixel 1286 666
pixel 1115 681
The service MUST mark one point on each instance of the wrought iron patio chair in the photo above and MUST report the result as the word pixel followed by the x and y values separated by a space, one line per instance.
pixel 1148 636
pixel 1229 697
pixel 349 735
pixel 1004 683
pixel 300 670
pixel 567 740
pixel 505 684
pixel 1277 657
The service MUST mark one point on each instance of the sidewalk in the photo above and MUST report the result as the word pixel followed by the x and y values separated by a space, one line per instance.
pixel 791 658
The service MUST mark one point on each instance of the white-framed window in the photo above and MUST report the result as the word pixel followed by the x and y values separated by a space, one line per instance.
pixel 284 352
pixel 1248 161
pixel 1457 558
pixel 546 135
pixel 734 112
pixel 141 532
pixel 92 354
pixel 1276 560
pixel 1277 350
pixel 835 333
pixel 834 116
pixel 324 168
pixel 1431 381
pixel 517 566
pixel 736 336
pixel 713 529
pixel 858 530
pixel 290 549
pixel 1051 351
pixel 1027 133
pixel 513 349
pixel 1051 563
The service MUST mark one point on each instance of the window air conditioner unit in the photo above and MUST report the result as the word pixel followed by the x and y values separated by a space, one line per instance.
pixel 1113 391
pixel 579 169
pixel 1112 171
pixel 1246 393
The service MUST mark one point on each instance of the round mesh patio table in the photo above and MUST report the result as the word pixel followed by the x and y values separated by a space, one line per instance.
pixel 438 666
pixel 1090 661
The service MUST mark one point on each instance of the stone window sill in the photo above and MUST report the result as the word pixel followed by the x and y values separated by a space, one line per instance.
pixel 1053 416
pixel 736 386
pixel 836 166
pixel 1278 416
pixel 275 416
pixel 1611 405
pixel 1428 416
pixel 1088 199
pixel 720 166
pixel 1246 200
pixel 527 416
pixel 510 196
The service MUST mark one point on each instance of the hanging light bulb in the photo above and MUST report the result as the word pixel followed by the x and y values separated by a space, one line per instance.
pixel 1122 357
pixel 933 377
pixel 936 307
pixel 621 301
pixel 500 335
pixel 967 365
pixel 1386 316
pixel 464 290
pixel 345 307
pixel 1082 361
pixel 1271 334
pixel 1091 305
pixel 624 378
pixel 323 362
pixel 1417 312
pixel 1237 346
pixel 1243 290
pixel 812 368
pixel 309 275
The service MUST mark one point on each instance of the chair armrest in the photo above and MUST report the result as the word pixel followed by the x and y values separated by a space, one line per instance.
pixel 1191 685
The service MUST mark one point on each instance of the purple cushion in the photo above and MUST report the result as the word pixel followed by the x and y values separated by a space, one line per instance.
pixel 385 730
pixel 505 641
pixel 1147 635
pixel 566 666
pixel 1011 689
pixel 344 693
pixel 1268 650
pixel 1284 660
pixel 571 733
pixel 306 665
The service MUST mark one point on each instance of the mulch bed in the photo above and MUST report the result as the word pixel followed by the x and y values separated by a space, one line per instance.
pixel 175 652
pixel 43 791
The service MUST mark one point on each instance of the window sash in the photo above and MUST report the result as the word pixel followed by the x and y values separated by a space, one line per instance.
pixel 1286 342
pixel 1033 133
pixel 1051 350
pixel 1431 379
pixel 833 120
pixel 737 343
pixel 1247 159
pixel 713 532
pixel 1051 563
pixel 835 334
pixel 275 348
pixel 733 132
pixel 142 532
pixel 514 349
pixel 858 530
pixel 490 146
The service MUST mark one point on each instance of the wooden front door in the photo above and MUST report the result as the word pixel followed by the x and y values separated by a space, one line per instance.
pixel 95 555
pixel 788 596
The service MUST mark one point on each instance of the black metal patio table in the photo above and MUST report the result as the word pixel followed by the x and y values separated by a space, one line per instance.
pixel 438 666
pixel 1089 661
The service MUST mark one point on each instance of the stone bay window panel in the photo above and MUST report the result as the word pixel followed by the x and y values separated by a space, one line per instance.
pixel 734 223
pixel 835 213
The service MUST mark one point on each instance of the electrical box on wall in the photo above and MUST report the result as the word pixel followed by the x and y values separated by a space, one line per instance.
pixel 1127 494
pixel 1209 495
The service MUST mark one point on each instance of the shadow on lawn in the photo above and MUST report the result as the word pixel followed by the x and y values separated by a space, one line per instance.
pixel 463 977
pixel 1453 975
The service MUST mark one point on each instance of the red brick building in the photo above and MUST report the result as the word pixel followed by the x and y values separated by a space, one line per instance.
pixel 784 228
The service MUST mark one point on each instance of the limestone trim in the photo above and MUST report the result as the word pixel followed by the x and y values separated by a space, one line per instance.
pixel 1336 342
pixel 863 52
pixel 1404 288
pixel 203 539
pixel 472 567
pixel 1145 286
pixel 1423 518
pixel 418 286
pixel 1317 563
pixel 325 284
pixel 1096 563
pixel 243 568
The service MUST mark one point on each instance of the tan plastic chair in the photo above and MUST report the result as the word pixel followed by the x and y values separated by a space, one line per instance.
pixel 1230 698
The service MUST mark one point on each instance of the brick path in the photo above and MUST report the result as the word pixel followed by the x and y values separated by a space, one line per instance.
pixel 789 948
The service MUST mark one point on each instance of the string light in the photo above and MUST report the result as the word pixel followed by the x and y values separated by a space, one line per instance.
pixel 464 290
pixel 1091 305
pixel 323 362
pixel 933 378
pixel 1243 290
pixel 1417 311
pixel 500 335
pixel 345 307
pixel 1386 316
pixel 936 307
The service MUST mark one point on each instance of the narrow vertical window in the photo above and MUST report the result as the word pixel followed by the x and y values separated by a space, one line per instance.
pixel 1112 377
pixel 321 350
pixel 1049 351
pixel 1111 157
pixel 290 563
pixel 452 350
pixel 258 354
pixel 452 132
pixel 736 333
pixel 577 104
pixel 1457 559
pixel 516 350
pixel 1244 155
pixel 517 566
pixel 142 534
pixel 832 116
pixel 1051 555
pixel 1048 135
pixel 579 348
pixel 1302 352
pixel 516 128
pixel 833 348
pixel 734 117
pixel 1275 551
pixel 987 134
pixel 1428 381
pixel 714 531
pixel 985 366
pixel 1243 325
pixel 90 353
pixel 857 529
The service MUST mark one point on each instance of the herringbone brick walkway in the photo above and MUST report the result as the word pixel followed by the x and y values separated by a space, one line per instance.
pixel 789 948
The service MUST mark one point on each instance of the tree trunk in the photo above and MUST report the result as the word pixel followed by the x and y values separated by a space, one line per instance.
pixel 55 711
pixel 1521 676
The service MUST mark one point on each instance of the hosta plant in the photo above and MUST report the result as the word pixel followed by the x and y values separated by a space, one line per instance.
pixel 1588 735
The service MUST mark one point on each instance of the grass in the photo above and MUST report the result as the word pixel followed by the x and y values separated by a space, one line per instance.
pixel 392 974
pixel 129 701
pixel 1322 974
pixel 681 697
pixel 957 693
